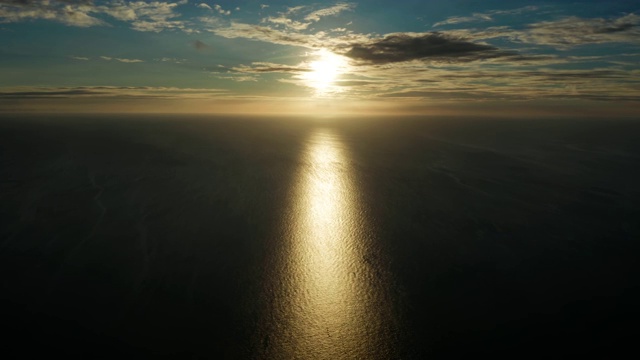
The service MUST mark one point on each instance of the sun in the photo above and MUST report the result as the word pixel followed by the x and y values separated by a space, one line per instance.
pixel 324 71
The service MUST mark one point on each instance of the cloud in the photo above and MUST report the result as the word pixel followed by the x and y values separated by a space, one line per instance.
pixel 217 8
pixel 172 60
pixel 73 14
pixel 129 60
pixel 448 46
pixel 330 11
pixel 264 33
pixel 464 19
pixel 122 60
pixel 156 16
pixel 464 82
pixel 144 16
pixel 295 9
pixel 221 11
pixel 290 37
pixel 456 65
pixel 573 31
pixel 400 47
pixel 266 67
pixel 488 16
pixel 282 19
pixel 238 78
pixel 391 48
pixel 107 91
pixel 286 18
pixel 564 33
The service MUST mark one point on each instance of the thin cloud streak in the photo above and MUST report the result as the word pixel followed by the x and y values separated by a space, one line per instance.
pixel 108 91
pixel 482 17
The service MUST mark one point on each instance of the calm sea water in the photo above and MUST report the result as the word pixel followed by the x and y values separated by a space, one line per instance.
pixel 294 238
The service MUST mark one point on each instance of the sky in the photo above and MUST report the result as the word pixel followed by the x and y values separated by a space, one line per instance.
pixel 368 57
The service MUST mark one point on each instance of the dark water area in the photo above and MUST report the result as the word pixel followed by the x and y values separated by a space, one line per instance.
pixel 294 238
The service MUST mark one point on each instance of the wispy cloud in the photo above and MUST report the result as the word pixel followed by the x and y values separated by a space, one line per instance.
pixel 573 31
pixel 217 8
pixel 480 84
pixel 122 60
pixel 238 77
pixel 70 13
pixel 330 11
pixel 291 17
pixel 266 67
pixel 282 19
pixel 565 32
pixel 486 16
pixel 129 60
pixel 221 11
pixel 172 60
pixel 144 16
pixel 264 33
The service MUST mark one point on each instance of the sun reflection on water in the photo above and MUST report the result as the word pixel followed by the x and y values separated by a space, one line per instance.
pixel 327 299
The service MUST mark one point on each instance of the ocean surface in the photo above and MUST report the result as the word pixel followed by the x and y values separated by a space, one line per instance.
pixel 177 236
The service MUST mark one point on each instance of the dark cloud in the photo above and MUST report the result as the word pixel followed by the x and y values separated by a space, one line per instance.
pixel 616 28
pixel 437 46
pixel 46 94
pixel 199 45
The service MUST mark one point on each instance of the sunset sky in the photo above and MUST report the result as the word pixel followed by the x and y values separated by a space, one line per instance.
pixel 415 57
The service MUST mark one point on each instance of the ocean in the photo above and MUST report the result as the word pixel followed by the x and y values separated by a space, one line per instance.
pixel 187 236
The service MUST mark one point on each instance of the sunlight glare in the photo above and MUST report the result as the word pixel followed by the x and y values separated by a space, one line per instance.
pixel 324 71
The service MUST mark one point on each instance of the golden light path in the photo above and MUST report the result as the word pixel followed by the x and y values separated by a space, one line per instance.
pixel 324 71
pixel 329 297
